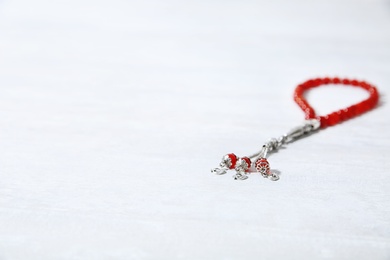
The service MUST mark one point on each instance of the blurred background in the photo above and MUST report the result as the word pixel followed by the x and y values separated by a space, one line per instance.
pixel 112 114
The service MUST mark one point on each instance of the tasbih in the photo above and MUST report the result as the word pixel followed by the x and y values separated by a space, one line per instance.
pixel 258 161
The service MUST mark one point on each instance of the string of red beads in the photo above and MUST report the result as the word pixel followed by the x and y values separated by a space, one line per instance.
pixel 342 114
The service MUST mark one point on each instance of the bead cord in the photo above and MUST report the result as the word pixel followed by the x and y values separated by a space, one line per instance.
pixel 342 114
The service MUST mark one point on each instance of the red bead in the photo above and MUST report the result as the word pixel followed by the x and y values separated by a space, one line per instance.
pixel 342 114
pixel 262 166
pixel 336 81
pixel 326 81
pixel 309 113
pixel 303 105
pixel 323 121
pixel 365 85
pixel 233 158
pixel 346 114
pixel 308 84
pixel 354 82
pixel 248 163
pixel 333 119
pixel 300 89
pixel 353 110
pixel 346 81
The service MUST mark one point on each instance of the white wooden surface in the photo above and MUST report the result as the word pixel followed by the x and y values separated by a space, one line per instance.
pixel 113 112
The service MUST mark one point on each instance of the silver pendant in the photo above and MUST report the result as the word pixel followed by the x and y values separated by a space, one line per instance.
pixel 258 162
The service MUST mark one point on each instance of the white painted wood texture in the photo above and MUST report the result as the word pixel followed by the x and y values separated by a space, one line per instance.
pixel 113 112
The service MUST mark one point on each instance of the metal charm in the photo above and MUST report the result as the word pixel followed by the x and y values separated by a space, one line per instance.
pixel 227 162
pixel 242 169
pixel 260 162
